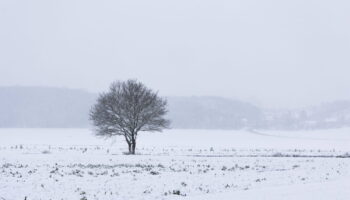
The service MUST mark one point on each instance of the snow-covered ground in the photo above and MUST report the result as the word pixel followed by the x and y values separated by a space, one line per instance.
pixel 176 164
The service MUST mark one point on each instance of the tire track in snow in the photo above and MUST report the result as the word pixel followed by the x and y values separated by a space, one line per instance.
pixel 252 131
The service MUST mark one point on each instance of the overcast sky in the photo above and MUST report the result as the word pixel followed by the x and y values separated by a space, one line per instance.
pixel 275 53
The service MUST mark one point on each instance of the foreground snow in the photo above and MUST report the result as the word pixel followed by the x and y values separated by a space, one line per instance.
pixel 334 189
pixel 176 164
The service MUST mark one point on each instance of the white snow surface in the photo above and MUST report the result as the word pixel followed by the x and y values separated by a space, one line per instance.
pixel 176 164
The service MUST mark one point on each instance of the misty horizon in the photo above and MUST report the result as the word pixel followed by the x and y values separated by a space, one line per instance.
pixel 35 107
pixel 252 101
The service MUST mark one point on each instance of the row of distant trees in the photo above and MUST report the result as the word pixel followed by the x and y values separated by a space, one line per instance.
pixel 35 107
pixel 335 115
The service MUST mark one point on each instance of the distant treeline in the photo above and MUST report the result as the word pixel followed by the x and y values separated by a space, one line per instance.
pixel 41 107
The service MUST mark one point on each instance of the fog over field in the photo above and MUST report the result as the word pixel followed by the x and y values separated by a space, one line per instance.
pixel 174 99
pixel 45 107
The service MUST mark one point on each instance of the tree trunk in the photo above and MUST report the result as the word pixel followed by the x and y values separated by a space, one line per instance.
pixel 130 148
pixel 133 142
pixel 129 144
pixel 133 147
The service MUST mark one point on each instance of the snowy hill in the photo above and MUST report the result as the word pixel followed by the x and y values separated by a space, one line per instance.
pixel 212 113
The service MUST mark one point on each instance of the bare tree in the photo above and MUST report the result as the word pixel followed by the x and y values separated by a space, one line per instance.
pixel 128 108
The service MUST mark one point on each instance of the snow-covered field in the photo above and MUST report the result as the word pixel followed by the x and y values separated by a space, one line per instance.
pixel 176 164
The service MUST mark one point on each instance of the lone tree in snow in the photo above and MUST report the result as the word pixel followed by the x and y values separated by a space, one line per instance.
pixel 126 109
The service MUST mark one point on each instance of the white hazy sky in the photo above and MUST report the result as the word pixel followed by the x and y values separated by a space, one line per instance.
pixel 277 53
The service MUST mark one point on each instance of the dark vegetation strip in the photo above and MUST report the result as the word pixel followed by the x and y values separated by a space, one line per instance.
pixel 275 156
